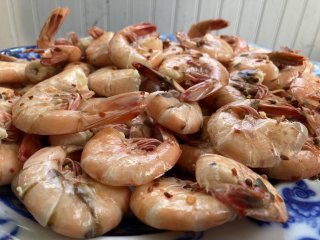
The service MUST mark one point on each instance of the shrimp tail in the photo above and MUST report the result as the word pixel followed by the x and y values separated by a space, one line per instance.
pixel 117 109
pixel 201 28
pixel 156 77
pixel 282 110
pixel 95 32
pixel 285 58
pixel 140 29
pixel 51 27
pixel 201 90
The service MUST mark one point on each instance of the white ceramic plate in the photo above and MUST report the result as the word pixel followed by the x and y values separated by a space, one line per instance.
pixel 302 199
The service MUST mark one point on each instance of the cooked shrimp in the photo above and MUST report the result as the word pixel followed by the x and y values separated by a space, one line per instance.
pixel 57 106
pixel 180 117
pixel 51 26
pixel 108 81
pixel 9 163
pixel 78 139
pixel 305 164
pixel 13 72
pixel 238 44
pixel 193 147
pixel 36 72
pixel 136 43
pixel 238 131
pixel 7 98
pixel 171 48
pixel 86 67
pixel 97 53
pixel 237 185
pixel 306 90
pixel 112 159
pixel 191 153
pixel 224 96
pixel 57 195
pixel 204 74
pixel 254 60
pixel 214 46
pixel 140 127
pixel 7 131
pixel 269 63
pixel 249 83
pixel 174 204
pixel 201 28
pixel 60 54
pixel 52 51
pixel 29 145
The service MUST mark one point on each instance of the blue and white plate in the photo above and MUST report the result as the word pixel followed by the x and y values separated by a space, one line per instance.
pixel 302 199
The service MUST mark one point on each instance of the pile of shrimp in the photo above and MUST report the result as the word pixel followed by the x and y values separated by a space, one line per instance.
pixel 90 130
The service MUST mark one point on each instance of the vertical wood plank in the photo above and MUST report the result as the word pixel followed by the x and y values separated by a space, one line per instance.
pixel 96 12
pixel 73 23
pixel 249 21
pixel 8 38
pixel 291 20
pixel 186 14
pixel 308 27
pixel 269 22
pixel 208 9
pixel 23 21
pixel 118 14
pixel 230 11
pixel 315 50
pixel 141 10
pixel 164 15
pixel 44 8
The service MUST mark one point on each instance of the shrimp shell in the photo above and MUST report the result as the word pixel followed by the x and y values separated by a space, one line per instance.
pixel 171 204
pixel 112 159
pixel 70 204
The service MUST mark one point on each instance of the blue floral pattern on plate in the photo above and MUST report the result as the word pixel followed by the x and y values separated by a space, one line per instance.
pixel 302 200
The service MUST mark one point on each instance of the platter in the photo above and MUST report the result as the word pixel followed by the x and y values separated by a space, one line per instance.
pixel 302 200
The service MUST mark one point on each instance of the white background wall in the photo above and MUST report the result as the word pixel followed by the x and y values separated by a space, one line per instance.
pixel 270 23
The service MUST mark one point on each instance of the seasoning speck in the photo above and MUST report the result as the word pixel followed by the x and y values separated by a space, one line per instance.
pixel 167 195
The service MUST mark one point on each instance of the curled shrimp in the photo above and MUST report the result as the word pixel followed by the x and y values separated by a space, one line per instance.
pixel 97 53
pixel 254 60
pixel 305 164
pixel 9 163
pixel 174 114
pixel 57 106
pixel 174 204
pixel 108 81
pixel 13 72
pixel 214 46
pixel 240 187
pixel 240 132
pixel 202 74
pixel 136 43
pixel 201 28
pixel 138 160
pixel 57 194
